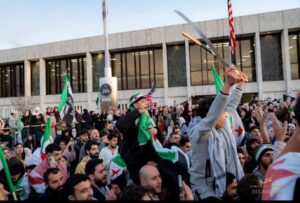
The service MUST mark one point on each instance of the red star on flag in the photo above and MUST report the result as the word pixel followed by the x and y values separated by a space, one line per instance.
pixel 115 172
pixel 239 131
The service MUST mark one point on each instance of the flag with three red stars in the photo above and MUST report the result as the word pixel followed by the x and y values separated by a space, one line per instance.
pixel 234 118
pixel 117 166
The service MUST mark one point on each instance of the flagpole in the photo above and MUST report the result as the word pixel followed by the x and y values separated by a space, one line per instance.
pixel 232 40
pixel 107 68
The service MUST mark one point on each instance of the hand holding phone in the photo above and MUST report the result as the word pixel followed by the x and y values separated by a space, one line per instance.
pixel 52 162
pixel 180 183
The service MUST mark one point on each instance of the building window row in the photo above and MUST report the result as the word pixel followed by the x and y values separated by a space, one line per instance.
pixel 138 69
pixel 12 80
pixel 56 70
pixel 294 48
pixel 201 61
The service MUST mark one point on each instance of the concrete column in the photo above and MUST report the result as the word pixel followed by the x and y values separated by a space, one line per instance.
pixel 286 60
pixel 165 67
pixel 188 72
pixel 259 77
pixel 27 78
pixel 42 84
pixel 89 77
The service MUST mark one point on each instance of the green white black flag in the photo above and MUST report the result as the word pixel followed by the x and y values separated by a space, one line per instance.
pixel 66 105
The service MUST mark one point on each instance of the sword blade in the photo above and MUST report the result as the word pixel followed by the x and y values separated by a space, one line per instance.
pixel 203 36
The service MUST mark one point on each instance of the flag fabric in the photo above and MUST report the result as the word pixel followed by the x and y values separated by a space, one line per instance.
pixel 143 137
pixel 149 97
pixel 46 139
pixel 20 126
pixel 217 80
pixel 281 177
pixel 117 166
pixel 6 171
pixel 66 105
pixel 98 100
pixel 232 32
pixel 235 121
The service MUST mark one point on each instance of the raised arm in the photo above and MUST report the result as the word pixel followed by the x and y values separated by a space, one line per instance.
pixel 203 128
pixel 236 95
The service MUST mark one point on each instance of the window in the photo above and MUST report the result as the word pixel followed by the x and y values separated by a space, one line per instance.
pixel 202 61
pixel 176 65
pixel 271 57
pixel 138 69
pixel 35 78
pixel 294 46
pixel 56 71
pixel 12 80
pixel 98 70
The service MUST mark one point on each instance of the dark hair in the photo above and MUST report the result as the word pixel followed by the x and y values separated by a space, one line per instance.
pixel 111 136
pixel 175 127
pixel 84 131
pixel 253 128
pixel 91 165
pixel 240 150
pixel 229 178
pixel 23 153
pixel 52 147
pixel 89 144
pixel 203 106
pixel 48 172
pixel 183 140
pixel 248 187
pixel 297 110
pixel 134 193
pixel 15 166
pixel 72 182
pixel 103 133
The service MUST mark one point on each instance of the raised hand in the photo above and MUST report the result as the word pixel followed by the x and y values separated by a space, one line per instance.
pixel 279 130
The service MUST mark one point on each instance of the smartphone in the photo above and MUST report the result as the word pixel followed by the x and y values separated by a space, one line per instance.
pixel 51 160
pixel 180 183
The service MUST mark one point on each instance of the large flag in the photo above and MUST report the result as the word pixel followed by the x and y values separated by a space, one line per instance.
pixel 232 33
pixel 7 172
pixel 46 139
pixel 234 118
pixel 281 178
pixel 66 105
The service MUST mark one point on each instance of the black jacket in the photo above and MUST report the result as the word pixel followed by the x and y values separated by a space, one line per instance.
pixel 136 156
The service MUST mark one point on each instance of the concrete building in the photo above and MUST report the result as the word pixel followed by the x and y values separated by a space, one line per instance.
pixel 267 50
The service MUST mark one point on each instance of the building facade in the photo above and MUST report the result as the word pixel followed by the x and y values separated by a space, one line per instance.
pixel 267 51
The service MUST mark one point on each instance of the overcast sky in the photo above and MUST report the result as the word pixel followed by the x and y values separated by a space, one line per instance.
pixel 30 22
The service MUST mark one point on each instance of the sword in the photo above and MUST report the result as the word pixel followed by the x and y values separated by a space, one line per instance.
pixel 204 46
pixel 202 35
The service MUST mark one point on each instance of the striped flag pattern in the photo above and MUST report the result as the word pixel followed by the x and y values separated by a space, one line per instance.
pixel 281 178
pixel 232 33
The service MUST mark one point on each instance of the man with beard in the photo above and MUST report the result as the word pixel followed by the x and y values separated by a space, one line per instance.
pixel 92 150
pixel 109 152
pixel 97 174
pixel 78 188
pixel 53 180
pixel 264 158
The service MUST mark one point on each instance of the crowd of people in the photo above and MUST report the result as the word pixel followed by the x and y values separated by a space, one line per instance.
pixel 151 152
